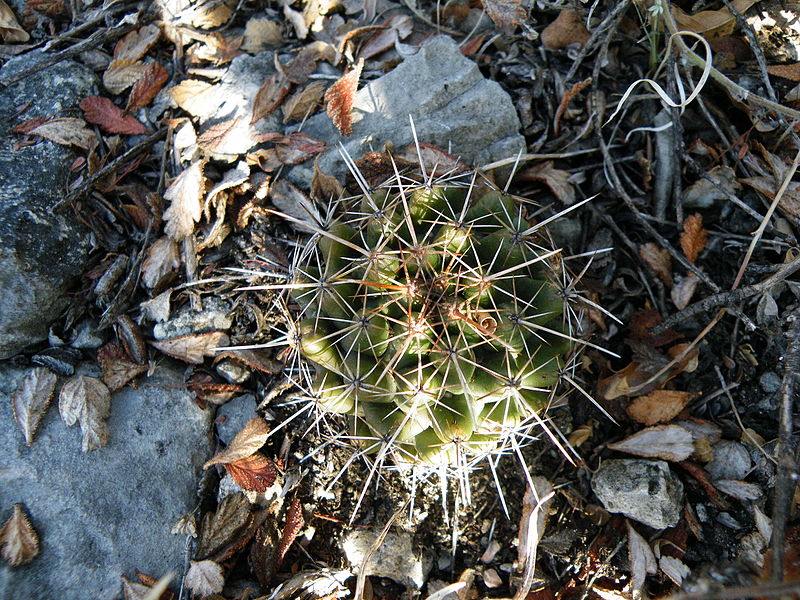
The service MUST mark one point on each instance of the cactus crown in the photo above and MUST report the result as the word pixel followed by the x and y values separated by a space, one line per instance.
pixel 432 311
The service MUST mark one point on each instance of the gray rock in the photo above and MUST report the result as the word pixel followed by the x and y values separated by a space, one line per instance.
pixel 233 415
pixel 644 490
pixel 213 316
pixel 770 382
pixel 41 252
pixel 731 461
pixel 396 558
pixel 452 104
pixel 103 514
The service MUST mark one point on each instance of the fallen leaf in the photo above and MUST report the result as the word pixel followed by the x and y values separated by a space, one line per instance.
pixel 741 490
pixel 658 260
pixel 682 292
pixel 136 43
pixel 110 118
pixel 505 14
pixel 225 530
pixel 162 258
pixel 209 15
pixel 30 400
pixel 673 568
pixel 10 29
pixel 185 194
pixel 204 578
pixel 255 359
pixel 255 473
pixel 659 406
pixel 641 560
pixel 397 27
pixel 294 523
pixel 50 8
pixel 252 436
pixel 556 179
pixel 121 74
pixel 668 442
pixel 693 237
pixel 305 63
pixel 18 539
pixel 149 84
pixel 192 348
pixel 198 98
pixel 67 132
pixel 296 19
pixel 294 203
pixel 304 102
pixel 535 508
pixel 791 72
pixel 26 127
pixel 339 98
pixel 568 28
pixel 88 400
pixel 711 23
pixel 186 525
pixel 325 188
pixel 297 148
pixel 719 183
pixel 269 96
pixel 576 89
pixel 217 136
pixel 117 366
pixel 261 33
pixel 580 435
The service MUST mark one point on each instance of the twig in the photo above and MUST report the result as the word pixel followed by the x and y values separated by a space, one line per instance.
pixel 610 22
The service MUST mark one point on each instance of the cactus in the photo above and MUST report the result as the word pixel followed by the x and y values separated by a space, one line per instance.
pixel 433 314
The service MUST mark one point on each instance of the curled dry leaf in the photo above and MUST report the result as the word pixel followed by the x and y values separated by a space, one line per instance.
pixel 110 118
pixel 682 292
pixel 294 523
pixel 225 531
pixel 535 508
pixel 395 28
pixel 67 132
pixel 218 136
pixel 340 97
pixel 556 179
pixel 505 14
pixel 149 84
pixel 10 29
pixel 304 102
pixel 434 159
pixel 192 348
pixel 204 578
pixel 693 237
pixel 256 473
pixel 668 442
pixel 658 261
pixel 117 366
pixel 641 560
pixel 136 44
pixel 121 74
pixel 18 539
pixel 568 28
pixel 674 569
pixel 185 194
pixel 30 400
pixel 269 96
pixel 659 406
pixel 162 258
pixel 252 436
pixel 88 400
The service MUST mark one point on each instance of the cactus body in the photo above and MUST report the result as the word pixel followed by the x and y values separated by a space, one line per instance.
pixel 434 319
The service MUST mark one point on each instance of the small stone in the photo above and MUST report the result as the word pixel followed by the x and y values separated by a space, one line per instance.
pixel 644 490
pixel 770 382
pixel 728 521
pixel 233 371
pixel 87 336
pixel 397 558
pixel 233 415
pixel 214 316
pixel 731 461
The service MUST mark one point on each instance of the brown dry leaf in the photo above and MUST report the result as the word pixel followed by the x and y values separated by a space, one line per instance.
pixel 296 148
pixel 693 237
pixel 192 348
pixel 204 578
pixel 117 366
pixel 185 195
pixel 50 8
pixel 110 118
pixel 434 159
pixel 198 98
pixel 136 44
pixel 216 137
pixel 270 96
pixel 294 523
pixel 122 73
pixel 668 442
pixel 225 530
pixel 688 364
pixel 641 560
pixel 659 406
pixel 252 436
pixel 711 23
pixel 30 400
pixel 255 359
pixel 505 14
pixel 581 435
pixel 568 28
pixel 682 292
pixel 10 29
pixel 18 539
pixel 658 260
pixel 304 102
pixel 339 98
pixel 260 34
pixel 674 568
pixel 67 132
pixel 149 84
pixel 294 203
pixel 556 179
pixel 88 400
pixel 790 72
pixel 255 473
pixel 305 63
pixel 209 15
pixel 162 258
pixel 325 188
pixel 395 28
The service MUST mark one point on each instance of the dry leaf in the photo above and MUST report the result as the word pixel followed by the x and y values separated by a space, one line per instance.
pixel 395 28
pixel 434 160
pixel 693 237
pixel 162 257
pixel 505 14
pixel 269 96
pixel 67 132
pixel 261 33
pixel 294 203
pixel 741 490
pixel 556 179
pixel 535 507
pixel 339 98
pixel 296 19
pixel 256 473
pixel 10 29
pixel 136 44
pixel 186 525
pixel 216 137
pixel 50 8
pixel 325 188
pixel 198 98
pixel 185 194
pixel 304 102
pixel 294 522
pixel 568 28
pixel 88 400
pixel 204 578
pixel 641 560
pixel 659 406
pixel 110 118
pixel 711 23
pixel 18 539
pixel 719 183
pixel 668 442
pixel 192 348
pixel 581 435
pixel 209 15
pixel 658 260
pixel 791 72
pixel 117 366
pixel 252 436
pixel 30 400
pixel 673 568
pixel 121 74
pixel 682 292
pixel 149 84
pixel 305 63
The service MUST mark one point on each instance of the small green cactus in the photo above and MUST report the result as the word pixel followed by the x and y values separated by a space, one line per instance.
pixel 433 313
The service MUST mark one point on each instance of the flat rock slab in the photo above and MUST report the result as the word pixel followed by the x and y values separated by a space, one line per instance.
pixel 644 490
pixel 453 106
pixel 41 252
pixel 103 514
